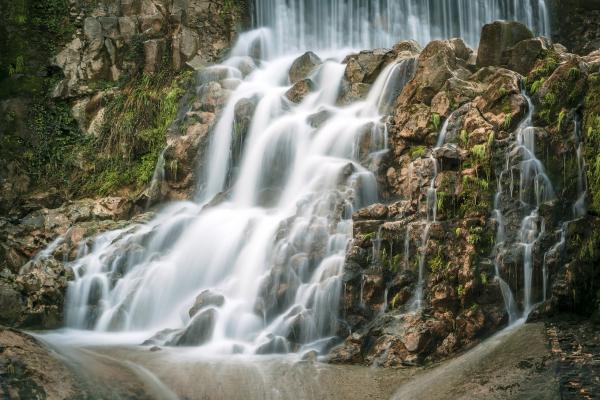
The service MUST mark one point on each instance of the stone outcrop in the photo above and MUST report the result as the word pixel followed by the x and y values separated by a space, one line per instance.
pixel 34 251
pixel 30 371
pixel 114 38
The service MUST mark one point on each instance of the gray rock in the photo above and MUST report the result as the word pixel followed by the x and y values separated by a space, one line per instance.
pixel 11 305
pixel 199 330
pixel 522 57
pixel 128 27
pixel 154 51
pixel 189 43
pixel 92 28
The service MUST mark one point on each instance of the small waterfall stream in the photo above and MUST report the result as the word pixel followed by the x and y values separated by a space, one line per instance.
pixel 534 189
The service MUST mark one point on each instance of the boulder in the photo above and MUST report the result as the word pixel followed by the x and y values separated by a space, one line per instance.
pixel 496 38
pixel 303 66
pixel 365 66
pixel 11 304
pixel 300 90
pixel 198 331
pixel 436 64
pixel 205 299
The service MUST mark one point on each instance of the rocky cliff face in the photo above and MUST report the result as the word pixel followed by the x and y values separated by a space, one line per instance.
pixel 575 24
pixel 91 87
pixel 421 273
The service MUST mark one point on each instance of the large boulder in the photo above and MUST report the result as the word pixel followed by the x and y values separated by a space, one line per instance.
pixel 436 64
pixel 496 38
pixel 303 66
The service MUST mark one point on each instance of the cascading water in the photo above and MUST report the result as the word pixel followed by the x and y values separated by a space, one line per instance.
pixel 534 190
pixel 301 24
pixel 260 272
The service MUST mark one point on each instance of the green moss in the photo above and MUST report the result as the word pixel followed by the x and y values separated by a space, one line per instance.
pixel 464 138
pixel 536 85
pixel 417 152
pixel 507 120
pixel 436 121
pixel 544 69
pixel 561 117
pixel 460 291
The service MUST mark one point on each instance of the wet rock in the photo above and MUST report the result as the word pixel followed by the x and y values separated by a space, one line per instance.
pixel 318 119
pixel 496 38
pixel 352 92
pixel 11 306
pixel 303 66
pixel 406 47
pixel 365 66
pixel 198 331
pixel 274 345
pixel 300 90
pixel 436 64
pixel 375 211
pixel 206 299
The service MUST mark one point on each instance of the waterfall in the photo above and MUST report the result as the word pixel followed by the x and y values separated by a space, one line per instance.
pixel 261 271
pixel 302 24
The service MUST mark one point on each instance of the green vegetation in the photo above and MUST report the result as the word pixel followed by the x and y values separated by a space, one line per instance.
pixel 30 33
pixel 592 139
pixel 544 69
pixel 507 120
pixel 417 152
pixel 535 86
pixel 134 133
pixel 438 263
pixel 460 291
pixel 464 138
pixel 436 121
pixel 561 118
